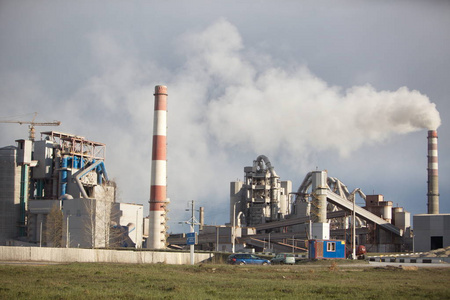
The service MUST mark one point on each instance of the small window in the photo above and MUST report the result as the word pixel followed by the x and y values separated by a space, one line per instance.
pixel 331 246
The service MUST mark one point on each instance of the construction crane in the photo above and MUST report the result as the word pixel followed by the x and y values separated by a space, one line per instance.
pixel 32 123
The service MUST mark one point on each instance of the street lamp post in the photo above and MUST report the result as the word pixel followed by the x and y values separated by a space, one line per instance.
pixel 40 236
pixel 67 232
pixel 217 239
pixel 233 233
pixel 293 243
pixel 354 230
pixel 136 228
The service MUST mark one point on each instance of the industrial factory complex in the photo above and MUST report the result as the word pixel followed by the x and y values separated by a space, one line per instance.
pixel 56 192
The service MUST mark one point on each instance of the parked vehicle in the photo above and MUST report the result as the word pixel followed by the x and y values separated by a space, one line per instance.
pixel 283 258
pixel 360 252
pixel 247 259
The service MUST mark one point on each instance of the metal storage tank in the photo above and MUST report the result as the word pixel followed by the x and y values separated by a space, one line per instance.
pixel 387 210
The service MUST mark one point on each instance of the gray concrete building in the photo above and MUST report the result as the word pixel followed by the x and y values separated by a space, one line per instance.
pixel 431 231
pixel 10 173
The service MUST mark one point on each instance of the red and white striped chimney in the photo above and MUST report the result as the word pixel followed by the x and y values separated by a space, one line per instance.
pixel 433 179
pixel 158 190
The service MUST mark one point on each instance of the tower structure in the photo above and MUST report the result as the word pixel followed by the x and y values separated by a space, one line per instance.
pixel 158 189
pixel 433 179
pixel 262 197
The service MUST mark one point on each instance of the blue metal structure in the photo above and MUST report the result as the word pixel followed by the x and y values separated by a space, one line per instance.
pixel 64 166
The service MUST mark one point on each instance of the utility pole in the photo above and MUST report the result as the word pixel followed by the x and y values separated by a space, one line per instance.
pixel 192 230
pixel 354 229
pixel 192 222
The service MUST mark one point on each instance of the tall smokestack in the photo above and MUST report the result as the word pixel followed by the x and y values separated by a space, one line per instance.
pixel 433 179
pixel 158 193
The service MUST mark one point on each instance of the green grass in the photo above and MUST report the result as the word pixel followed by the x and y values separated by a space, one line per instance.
pixel 214 281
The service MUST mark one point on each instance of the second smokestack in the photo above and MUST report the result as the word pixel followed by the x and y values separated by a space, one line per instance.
pixel 433 178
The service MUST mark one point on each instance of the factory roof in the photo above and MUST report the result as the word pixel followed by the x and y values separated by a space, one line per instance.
pixel 75 144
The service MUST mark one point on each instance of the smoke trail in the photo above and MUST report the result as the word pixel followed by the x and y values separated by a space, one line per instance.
pixel 271 110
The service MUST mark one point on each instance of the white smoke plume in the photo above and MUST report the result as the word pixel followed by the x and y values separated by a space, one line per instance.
pixel 246 107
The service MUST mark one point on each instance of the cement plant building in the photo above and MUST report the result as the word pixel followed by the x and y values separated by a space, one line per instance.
pixel 56 192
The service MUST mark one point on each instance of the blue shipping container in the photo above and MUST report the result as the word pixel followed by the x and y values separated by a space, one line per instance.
pixel 324 249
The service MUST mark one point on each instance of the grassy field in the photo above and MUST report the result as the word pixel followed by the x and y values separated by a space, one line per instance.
pixel 217 281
